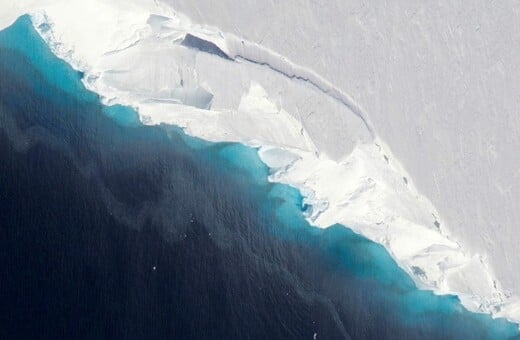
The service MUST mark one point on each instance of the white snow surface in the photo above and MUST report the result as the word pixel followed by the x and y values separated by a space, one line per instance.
pixel 270 83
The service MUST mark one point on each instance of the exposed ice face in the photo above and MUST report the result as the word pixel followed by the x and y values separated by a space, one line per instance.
pixel 312 134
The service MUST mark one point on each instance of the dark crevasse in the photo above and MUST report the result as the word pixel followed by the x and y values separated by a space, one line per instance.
pixel 111 229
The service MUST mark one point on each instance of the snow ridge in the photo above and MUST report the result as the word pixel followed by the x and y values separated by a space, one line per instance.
pixel 251 52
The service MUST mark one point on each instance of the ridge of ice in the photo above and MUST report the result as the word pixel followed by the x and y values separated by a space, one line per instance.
pixel 134 56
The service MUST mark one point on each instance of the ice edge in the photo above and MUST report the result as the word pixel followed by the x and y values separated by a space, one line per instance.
pixel 504 304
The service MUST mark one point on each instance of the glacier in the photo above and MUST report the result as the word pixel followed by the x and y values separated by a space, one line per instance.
pixel 221 86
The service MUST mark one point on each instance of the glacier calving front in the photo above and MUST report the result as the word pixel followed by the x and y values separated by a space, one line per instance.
pixel 220 87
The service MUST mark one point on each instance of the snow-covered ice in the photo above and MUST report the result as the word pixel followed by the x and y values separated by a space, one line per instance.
pixel 230 86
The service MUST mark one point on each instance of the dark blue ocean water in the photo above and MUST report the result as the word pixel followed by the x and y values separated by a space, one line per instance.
pixel 111 229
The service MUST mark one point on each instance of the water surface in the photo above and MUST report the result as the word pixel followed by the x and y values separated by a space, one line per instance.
pixel 111 229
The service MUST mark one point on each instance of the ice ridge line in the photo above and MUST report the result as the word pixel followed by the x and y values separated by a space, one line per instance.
pixel 294 71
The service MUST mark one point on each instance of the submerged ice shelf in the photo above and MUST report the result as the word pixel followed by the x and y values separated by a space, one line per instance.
pixel 223 88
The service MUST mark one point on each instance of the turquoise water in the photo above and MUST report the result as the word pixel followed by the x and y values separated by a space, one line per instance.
pixel 122 115
pixel 55 71
pixel 356 272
